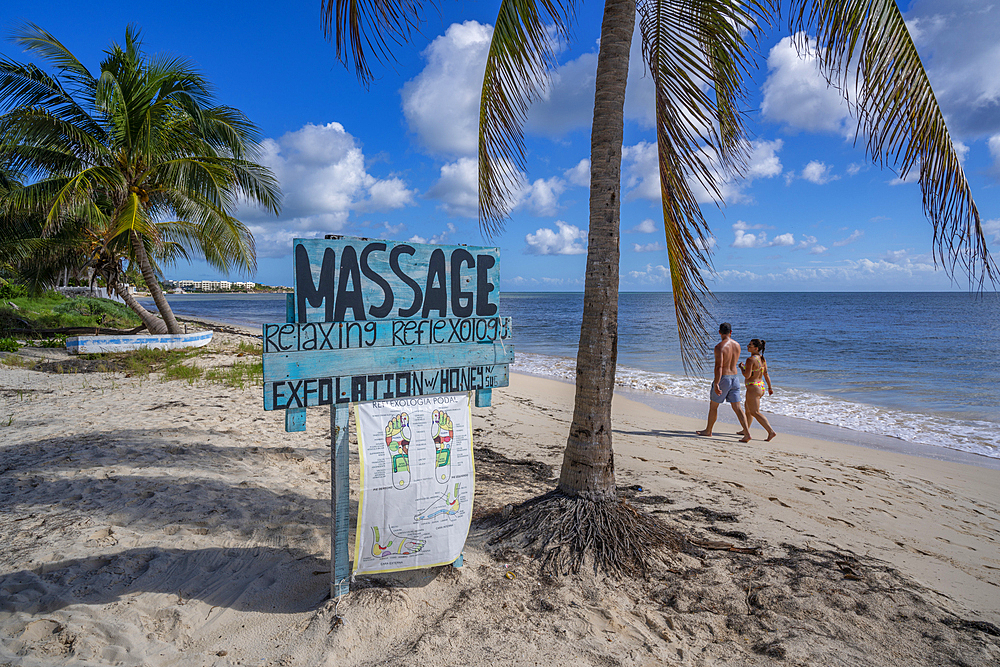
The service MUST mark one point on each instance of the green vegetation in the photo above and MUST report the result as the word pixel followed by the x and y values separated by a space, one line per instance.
pixel 240 375
pixel 249 348
pixel 9 345
pixel 132 167
pixel 52 310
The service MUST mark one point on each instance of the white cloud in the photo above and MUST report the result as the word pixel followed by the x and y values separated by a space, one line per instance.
pixel 783 240
pixel 864 274
pixel 641 176
pixel 441 104
pixel 796 93
pixel 567 241
pixel 567 102
pixel 647 226
pixel 436 239
pixel 580 174
pixel 764 161
pixel 855 235
pixel 994 146
pixel 322 173
pixel 458 188
pixel 744 240
pixel 992 227
pixel 805 242
pixel 651 275
pixel 707 244
pixel 740 224
pixel 818 250
pixel 854 168
pixel 542 196
pixel 655 246
pixel 959 48
pixel 818 172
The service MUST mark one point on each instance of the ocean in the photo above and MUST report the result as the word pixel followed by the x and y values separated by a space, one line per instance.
pixel 920 367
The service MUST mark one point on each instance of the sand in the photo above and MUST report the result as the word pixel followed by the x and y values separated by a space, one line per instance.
pixel 153 522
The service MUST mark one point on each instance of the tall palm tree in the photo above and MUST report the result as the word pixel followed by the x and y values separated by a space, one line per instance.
pixel 138 151
pixel 698 53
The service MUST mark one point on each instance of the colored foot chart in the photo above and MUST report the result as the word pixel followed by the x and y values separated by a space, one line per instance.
pixel 394 544
pixel 397 439
pixel 447 504
pixel 417 482
pixel 443 429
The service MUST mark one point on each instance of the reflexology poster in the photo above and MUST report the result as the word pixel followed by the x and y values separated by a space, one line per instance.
pixel 417 482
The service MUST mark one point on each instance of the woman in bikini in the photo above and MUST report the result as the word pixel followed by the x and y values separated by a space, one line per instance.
pixel 757 382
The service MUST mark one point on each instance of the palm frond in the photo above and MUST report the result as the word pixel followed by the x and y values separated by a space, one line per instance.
pixel 900 118
pixel 520 55
pixel 360 28
pixel 698 55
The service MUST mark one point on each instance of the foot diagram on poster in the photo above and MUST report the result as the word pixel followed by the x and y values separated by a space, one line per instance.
pixel 417 482
pixel 394 544
pixel 443 429
pixel 447 504
pixel 397 439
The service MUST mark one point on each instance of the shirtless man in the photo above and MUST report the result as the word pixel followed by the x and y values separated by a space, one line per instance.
pixel 726 386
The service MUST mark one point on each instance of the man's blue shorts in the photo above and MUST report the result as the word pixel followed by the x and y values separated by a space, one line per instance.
pixel 730 386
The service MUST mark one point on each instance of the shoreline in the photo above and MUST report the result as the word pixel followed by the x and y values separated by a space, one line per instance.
pixel 674 406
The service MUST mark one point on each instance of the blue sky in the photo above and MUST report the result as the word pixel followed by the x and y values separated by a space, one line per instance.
pixel 397 160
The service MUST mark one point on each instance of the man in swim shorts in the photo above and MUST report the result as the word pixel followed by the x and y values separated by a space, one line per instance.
pixel 726 386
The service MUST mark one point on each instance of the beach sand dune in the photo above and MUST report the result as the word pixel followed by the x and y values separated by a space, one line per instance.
pixel 152 522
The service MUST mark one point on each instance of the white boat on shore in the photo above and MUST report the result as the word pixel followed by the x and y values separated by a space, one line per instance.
pixel 95 344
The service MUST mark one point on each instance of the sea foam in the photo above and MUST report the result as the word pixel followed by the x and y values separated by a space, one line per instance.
pixel 976 437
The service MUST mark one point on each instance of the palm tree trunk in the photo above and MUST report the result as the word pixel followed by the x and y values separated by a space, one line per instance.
pixel 588 468
pixel 153 323
pixel 149 277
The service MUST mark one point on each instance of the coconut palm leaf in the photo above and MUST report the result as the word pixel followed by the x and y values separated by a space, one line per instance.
pixel 899 117
pixel 361 28
pixel 698 53
pixel 140 143
pixel 520 55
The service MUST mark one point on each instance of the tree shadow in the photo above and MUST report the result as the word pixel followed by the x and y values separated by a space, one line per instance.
pixel 668 433
pixel 150 502
pixel 262 579
pixel 178 446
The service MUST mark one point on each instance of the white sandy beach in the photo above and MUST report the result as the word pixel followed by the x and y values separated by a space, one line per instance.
pixel 146 522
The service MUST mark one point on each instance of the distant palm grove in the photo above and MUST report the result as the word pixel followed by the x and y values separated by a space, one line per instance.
pixel 113 175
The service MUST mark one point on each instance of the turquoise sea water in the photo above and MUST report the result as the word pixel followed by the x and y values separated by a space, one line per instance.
pixel 922 367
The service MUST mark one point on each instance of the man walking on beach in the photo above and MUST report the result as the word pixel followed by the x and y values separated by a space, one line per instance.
pixel 726 386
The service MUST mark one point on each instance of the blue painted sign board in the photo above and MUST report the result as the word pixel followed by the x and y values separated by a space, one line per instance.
pixel 372 320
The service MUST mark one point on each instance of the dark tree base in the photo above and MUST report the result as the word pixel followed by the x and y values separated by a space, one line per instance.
pixel 564 532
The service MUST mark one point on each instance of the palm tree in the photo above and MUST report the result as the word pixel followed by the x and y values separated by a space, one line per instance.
pixel 138 152
pixel 698 53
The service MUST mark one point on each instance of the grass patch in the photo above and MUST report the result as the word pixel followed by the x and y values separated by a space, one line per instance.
pixel 246 347
pixel 9 345
pixel 182 372
pixel 17 361
pixel 240 375
pixel 53 311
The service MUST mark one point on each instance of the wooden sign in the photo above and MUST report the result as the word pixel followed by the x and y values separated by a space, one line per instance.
pixel 382 320
pixel 353 279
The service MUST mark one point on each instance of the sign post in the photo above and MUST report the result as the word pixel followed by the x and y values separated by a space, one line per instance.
pixel 382 320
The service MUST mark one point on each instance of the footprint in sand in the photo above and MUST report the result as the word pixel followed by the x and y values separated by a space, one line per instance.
pixel 402 545
pixel 397 439
pixel 442 429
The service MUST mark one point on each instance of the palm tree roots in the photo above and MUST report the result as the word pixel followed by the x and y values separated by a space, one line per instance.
pixel 564 532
